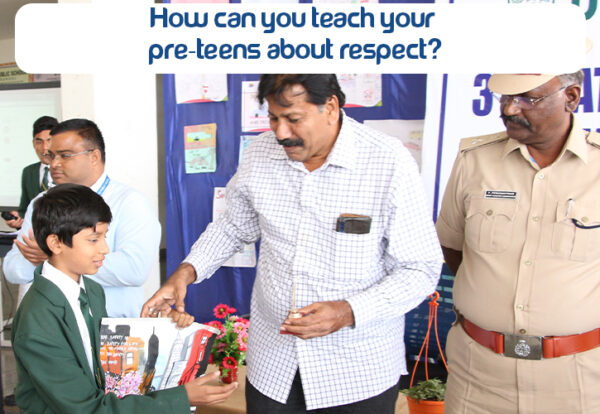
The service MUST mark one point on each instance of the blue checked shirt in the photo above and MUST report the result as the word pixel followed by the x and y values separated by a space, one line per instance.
pixel 382 274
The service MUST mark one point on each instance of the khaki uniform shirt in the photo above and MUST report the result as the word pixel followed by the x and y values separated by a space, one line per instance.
pixel 526 269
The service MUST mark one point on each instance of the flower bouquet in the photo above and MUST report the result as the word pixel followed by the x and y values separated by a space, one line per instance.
pixel 229 349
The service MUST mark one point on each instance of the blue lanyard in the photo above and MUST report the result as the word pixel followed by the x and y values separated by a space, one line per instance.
pixel 103 186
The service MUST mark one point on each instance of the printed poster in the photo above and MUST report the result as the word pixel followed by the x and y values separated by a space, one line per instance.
pixel 245 141
pixel 200 148
pixel 10 73
pixel 362 90
pixel 255 117
pixel 193 88
pixel 142 355
pixel 245 258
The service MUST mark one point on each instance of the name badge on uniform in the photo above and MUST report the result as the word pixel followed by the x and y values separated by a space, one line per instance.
pixel 510 195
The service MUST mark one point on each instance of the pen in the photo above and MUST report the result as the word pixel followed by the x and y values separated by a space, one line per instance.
pixel 570 202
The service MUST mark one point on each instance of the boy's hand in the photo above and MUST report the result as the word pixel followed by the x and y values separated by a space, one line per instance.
pixel 182 319
pixel 199 393
pixel 171 293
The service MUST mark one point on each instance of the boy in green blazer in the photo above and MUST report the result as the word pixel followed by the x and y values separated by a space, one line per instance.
pixel 56 331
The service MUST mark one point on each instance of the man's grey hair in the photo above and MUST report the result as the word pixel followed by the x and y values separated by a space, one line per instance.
pixel 569 79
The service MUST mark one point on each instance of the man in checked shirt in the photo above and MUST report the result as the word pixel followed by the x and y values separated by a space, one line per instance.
pixel 345 235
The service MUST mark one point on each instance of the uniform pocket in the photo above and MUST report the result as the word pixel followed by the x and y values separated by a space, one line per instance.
pixel 489 224
pixel 579 243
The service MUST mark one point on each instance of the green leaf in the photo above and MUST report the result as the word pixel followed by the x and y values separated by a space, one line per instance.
pixel 431 390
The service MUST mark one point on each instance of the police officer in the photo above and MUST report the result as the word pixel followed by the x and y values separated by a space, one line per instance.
pixel 520 228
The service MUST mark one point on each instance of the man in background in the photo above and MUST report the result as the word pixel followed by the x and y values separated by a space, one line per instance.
pixel 35 177
pixel 347 248
pixel 520 228
pixel 77 156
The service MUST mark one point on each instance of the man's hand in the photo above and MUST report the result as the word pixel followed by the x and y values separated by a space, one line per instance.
pixel 171 293
pixel 199 393
pixel 320 319
pixel 15 223
pixel 30 249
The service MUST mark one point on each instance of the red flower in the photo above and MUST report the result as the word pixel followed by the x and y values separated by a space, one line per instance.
pixel 216 324
pixel 229 362
pixel 221 310
pixel 231 310
pixel 210 359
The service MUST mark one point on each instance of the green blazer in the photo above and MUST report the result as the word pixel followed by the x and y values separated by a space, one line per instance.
pixel 30 186
pixel 53 372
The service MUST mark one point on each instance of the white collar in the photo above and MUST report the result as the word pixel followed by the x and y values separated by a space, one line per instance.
pixel 67 286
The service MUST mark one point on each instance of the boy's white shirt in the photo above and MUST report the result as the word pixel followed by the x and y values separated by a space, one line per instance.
pixel 70 289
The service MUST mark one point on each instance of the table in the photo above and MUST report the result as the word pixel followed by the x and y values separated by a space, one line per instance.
pixel 236 404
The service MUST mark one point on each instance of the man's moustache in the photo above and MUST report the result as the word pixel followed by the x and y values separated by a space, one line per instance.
pixel 288 142
pixel 515 119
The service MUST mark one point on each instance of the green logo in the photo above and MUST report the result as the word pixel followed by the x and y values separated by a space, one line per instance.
pixel 593 5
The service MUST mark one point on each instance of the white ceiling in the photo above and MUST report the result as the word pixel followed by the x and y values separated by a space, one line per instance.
pixel 8 10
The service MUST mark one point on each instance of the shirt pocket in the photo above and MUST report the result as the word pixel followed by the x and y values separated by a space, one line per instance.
pixel 573 242
pixel 489 224
pixel 356 255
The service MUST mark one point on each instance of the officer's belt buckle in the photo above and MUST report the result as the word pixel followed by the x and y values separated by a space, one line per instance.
pixel 523 346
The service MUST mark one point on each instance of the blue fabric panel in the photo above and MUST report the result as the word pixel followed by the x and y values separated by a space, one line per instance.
pixel 417 320
pixel 189 196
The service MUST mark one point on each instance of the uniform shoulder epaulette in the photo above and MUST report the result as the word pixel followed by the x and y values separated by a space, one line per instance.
pixel 468 144
pixel 593 138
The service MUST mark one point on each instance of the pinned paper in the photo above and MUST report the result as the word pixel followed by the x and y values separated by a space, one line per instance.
pixel 245 141
pixel 200 148
pixel 255 117
pixel 409 131
pixel 361 90
pixel 192 88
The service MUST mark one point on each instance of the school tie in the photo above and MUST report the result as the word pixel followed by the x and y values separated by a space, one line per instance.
pixel 85 310
pixel 44 185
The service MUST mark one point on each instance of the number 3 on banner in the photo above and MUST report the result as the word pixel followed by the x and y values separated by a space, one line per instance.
pixel 482 106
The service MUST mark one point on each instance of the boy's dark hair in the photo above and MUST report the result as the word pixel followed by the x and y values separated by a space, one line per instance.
pixel 43 123
pixel 65 210
pixel 318 87
pixel 86 129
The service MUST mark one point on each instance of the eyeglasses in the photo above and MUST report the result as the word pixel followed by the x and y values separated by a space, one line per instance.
pixel 523 102
pixel 66 156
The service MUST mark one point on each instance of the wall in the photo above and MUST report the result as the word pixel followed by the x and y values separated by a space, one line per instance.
pixel 7 50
